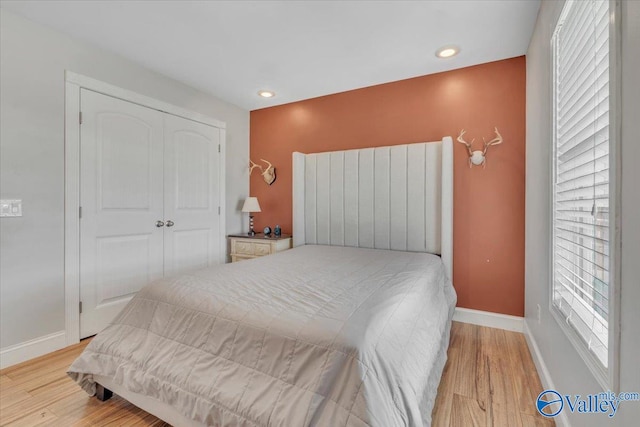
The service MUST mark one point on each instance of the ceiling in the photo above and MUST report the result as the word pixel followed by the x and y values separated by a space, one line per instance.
pixel 299 50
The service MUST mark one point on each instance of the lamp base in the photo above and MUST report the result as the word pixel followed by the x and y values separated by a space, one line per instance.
pixel 251 230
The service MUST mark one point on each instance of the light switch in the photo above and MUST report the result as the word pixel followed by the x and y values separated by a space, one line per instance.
pixel 10 208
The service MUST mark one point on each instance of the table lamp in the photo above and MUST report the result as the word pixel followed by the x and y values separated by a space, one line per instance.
pixel 251 205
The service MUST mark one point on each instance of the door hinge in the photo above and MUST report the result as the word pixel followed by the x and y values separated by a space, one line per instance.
pixel 80 212
pixel 218 148
pixel 80 307
pixel 218 210
pixel 80 117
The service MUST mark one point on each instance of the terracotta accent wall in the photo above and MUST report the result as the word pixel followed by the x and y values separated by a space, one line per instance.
pixel 489 206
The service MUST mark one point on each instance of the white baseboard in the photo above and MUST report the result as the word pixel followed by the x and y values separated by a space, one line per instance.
pixel 33 348
pixel 491 320
pixel 543 372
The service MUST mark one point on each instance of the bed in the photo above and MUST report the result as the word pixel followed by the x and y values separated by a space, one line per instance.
pixel 348 328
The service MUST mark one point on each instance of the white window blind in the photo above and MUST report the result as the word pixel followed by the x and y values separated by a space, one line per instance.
pixel 581 246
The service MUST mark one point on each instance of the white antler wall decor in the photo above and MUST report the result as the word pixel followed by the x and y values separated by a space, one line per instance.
pixel 268 174
pixel 478 157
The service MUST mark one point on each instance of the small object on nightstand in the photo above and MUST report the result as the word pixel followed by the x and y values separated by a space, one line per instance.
pixel 277 231
pixel 267 231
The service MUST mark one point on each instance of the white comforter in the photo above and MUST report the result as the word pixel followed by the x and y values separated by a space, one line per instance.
pixel 317 335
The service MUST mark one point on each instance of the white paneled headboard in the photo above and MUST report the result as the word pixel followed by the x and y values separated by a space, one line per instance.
pixel 398 198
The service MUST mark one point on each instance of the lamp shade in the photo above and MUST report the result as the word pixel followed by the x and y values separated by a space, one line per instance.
pixel 251 205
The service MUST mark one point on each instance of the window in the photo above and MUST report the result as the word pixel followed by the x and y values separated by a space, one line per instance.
pixel 582 181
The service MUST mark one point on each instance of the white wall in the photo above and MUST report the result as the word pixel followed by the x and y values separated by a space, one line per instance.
pixel 33 59
pixel 567 371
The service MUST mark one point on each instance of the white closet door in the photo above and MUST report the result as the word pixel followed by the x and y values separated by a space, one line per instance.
pixel 192 195
pixel 121 197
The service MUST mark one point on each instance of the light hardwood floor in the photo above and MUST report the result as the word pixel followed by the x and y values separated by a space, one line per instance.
pixel 489 380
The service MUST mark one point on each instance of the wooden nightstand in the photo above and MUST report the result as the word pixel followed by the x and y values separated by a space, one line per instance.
pixel 247 247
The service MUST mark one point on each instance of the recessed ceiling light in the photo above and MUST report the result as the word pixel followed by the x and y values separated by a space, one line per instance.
pixel 447 51
pixel 266 94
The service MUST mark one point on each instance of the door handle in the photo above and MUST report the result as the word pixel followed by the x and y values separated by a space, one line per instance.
pixel 159 223
pixel 170 223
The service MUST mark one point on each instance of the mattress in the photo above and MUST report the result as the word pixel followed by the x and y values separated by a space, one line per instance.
pixel 316 335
